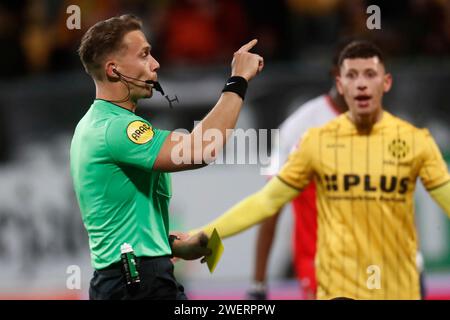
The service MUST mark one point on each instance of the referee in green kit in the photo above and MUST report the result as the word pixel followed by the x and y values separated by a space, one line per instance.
pixel 120 163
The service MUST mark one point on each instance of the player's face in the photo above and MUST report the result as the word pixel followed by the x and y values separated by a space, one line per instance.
pixel 137 62
pixel 362 82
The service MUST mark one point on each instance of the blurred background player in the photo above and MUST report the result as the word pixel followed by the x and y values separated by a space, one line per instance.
pixel 365 164
pixel 314 113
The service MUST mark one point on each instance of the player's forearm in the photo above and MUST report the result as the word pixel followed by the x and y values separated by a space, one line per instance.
pixel 240 217
pixel 442 196
pixel 252 210
pixel 263 246
pixel 214 130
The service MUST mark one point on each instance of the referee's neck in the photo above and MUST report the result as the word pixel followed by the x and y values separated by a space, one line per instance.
pixel 126 105
pixel 117 97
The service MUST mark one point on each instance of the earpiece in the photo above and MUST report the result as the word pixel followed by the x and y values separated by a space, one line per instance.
pixel 118 74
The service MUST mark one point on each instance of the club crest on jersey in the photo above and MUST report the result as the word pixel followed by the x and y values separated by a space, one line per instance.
pixel 398 148
pixel 139 132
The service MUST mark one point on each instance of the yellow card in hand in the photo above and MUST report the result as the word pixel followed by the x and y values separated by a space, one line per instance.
pixel 216 246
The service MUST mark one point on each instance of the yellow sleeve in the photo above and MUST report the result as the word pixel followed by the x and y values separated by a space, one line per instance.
pixel 442 196
pixel 298 169
pixel 433 171
pixel 252 210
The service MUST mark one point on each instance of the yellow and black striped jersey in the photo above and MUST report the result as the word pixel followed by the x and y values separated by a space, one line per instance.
pixel 367 239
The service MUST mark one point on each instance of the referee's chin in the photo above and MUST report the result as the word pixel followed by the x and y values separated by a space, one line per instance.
pixel 148 93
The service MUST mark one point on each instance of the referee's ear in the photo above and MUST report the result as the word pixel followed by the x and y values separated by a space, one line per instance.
pixel 111 71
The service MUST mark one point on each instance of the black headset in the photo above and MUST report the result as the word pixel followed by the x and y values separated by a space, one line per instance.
pixel 155 84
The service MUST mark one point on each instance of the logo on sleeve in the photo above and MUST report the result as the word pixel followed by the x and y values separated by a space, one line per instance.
pixel 139 132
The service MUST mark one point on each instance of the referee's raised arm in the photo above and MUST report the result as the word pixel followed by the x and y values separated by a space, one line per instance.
pixel 244 67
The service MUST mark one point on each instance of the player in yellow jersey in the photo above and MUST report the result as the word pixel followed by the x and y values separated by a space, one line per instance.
pixel 365 164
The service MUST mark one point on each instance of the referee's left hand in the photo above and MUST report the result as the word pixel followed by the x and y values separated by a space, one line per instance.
pixel 191 248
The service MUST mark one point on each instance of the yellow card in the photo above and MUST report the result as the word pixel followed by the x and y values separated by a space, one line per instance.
pixel 216 246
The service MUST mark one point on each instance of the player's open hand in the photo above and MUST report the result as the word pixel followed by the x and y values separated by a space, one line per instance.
pixel 246 64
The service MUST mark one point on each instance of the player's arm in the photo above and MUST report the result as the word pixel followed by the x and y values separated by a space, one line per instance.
pixel 253 209
pixel 441 195
pixel 434 173
pixel 266 234
pixel 264 241
pixel 221 118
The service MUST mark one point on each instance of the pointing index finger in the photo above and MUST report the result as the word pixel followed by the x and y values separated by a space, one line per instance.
pixel 246 47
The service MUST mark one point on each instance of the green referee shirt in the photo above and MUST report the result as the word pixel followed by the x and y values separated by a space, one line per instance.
pixel 122 199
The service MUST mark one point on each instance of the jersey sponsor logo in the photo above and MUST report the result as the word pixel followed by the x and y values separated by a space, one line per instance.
pixel 139 132
pixel 335 145
pixel 331 182
pixel 398 148
pixel 397 163
pixel 369 183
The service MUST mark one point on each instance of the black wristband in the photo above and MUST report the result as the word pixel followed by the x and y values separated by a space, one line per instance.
pixel 237 85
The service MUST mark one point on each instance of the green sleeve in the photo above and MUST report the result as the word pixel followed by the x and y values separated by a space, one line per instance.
pixel 133 141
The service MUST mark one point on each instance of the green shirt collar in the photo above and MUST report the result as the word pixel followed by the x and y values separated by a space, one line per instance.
pixel 101 103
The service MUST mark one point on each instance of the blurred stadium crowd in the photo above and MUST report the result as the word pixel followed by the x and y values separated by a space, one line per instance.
pixel 34 37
